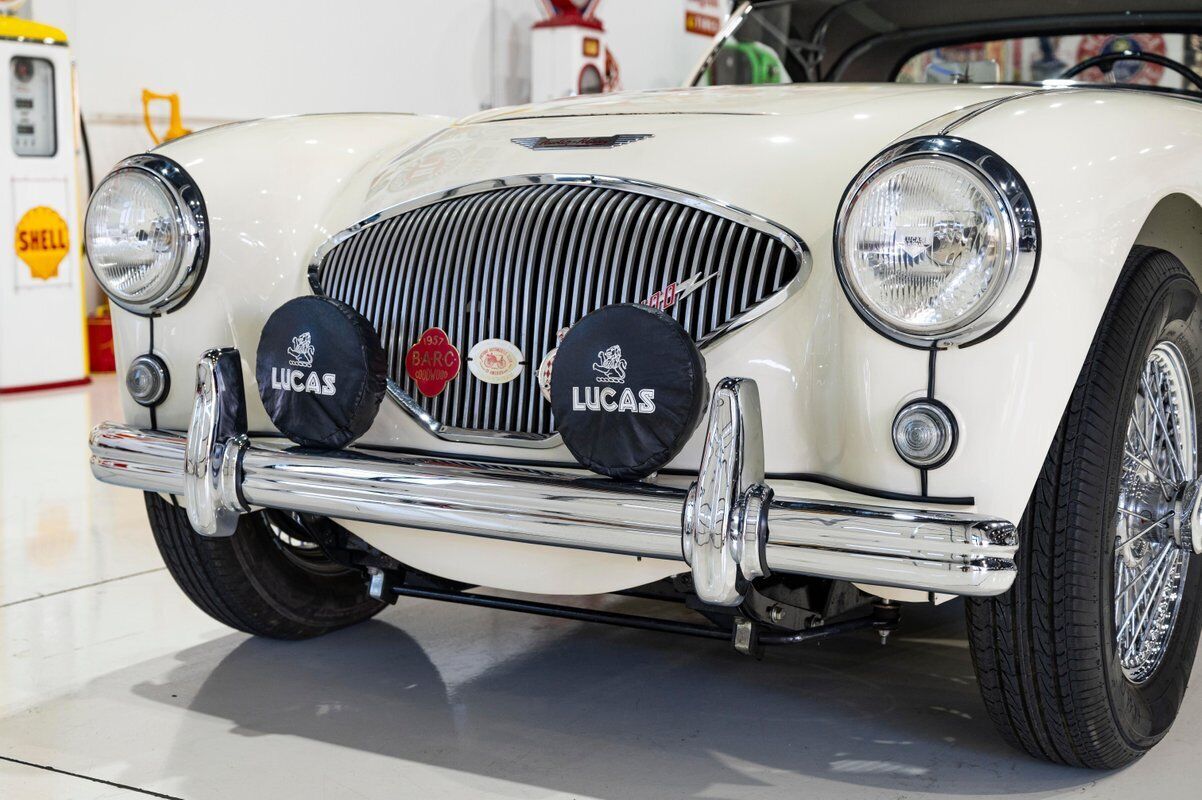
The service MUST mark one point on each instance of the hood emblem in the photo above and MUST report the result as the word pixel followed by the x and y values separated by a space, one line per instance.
pixel 676 291
pixel 579 142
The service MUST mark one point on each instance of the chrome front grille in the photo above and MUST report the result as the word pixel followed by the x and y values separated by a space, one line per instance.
pixel 522 259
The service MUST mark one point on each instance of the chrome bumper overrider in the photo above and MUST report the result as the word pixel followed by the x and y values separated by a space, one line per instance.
pixel 728 527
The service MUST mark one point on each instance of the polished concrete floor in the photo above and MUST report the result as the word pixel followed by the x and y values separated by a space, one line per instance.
pixel 113 686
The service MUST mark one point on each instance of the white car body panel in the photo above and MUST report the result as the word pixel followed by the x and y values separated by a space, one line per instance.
pixel 830 385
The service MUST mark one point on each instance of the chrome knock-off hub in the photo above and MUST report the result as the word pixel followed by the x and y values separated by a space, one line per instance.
pixel 1187 517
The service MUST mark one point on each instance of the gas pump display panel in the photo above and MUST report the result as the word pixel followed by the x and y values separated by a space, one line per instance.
pixel 31 89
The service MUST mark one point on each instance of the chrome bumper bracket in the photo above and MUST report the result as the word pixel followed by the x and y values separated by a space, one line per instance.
pixel 725 516
pixel 728 527
pixel 216 441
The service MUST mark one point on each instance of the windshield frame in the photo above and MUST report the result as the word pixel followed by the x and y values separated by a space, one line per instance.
pixel 1165 22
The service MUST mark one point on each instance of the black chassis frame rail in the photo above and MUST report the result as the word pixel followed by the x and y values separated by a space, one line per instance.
pixel 389 579
pixel 747 636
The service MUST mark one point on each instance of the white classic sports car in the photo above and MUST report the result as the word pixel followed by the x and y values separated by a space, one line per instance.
pixel 915 316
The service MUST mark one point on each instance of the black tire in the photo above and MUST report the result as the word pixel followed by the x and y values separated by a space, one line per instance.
pixel 252 582
pixel 1045 652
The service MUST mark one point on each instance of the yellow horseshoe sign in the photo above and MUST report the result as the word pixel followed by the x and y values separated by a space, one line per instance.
pixel 42 241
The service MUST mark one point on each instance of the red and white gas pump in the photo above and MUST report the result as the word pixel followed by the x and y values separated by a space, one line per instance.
pixel 569 54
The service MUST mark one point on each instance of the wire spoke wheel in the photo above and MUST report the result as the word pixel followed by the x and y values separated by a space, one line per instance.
pixel 1086 660
pixel 1157 497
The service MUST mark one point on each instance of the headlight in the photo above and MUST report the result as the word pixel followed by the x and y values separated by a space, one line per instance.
pixel 936 242
pixel 146 234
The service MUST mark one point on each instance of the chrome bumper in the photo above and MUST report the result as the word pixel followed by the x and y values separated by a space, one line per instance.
pixel 728 527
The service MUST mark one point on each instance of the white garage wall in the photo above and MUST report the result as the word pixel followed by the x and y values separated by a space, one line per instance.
pixel 238 59
pixel 235 59
pixel 241 58
pixel 649 39
pixel 244 58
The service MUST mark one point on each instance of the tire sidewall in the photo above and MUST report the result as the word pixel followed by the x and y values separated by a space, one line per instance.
pixel 1144 712
pixel 294 591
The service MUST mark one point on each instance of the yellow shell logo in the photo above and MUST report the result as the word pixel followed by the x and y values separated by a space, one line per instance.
pixel 42 241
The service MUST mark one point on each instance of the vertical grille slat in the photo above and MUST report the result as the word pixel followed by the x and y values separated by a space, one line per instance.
pixel 393 241
pixel 521 262
pixel 510 276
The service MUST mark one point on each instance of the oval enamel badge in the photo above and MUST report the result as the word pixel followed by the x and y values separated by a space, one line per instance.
pixel 495 361
pixel 433 362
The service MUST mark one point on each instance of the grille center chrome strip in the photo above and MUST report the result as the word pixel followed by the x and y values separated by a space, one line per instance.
pixel 523 257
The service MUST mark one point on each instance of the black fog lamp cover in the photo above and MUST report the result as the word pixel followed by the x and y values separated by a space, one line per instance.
pixel 321 372
pixel 628 388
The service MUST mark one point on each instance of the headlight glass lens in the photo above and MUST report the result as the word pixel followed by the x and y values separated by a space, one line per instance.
pixel 926 245
pixel 140 238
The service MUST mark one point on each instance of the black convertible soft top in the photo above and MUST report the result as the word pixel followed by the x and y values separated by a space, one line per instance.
pixel 869 40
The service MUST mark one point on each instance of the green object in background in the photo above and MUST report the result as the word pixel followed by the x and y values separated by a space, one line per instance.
pixel 743 63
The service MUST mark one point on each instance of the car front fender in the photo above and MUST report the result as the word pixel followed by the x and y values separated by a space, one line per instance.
pixel 1102 181
pixel 271 189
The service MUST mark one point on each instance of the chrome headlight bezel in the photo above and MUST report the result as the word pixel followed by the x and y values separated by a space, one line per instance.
pixel 1021 252
pixel 192 228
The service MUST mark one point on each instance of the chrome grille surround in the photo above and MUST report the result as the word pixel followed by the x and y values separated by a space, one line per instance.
pixel 630 236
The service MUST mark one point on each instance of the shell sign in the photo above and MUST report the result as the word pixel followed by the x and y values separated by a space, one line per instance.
pixel 42 241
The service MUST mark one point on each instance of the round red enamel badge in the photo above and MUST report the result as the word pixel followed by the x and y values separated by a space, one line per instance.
pixel 433 362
